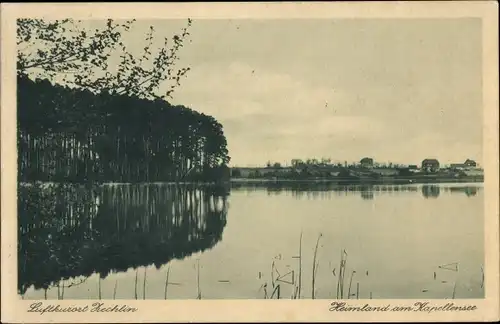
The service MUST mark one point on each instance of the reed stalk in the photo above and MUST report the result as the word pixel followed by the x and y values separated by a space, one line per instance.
pixel 482 277
pixel 166 282
pixel 144 285
pixel 99 286
pixel 272 273
pixel 344 262
pixel 276 290
pixel 454 290
pixel 114 290
pixel 136 274
pixel 300 266
pixel 357 291
pixel 314 266
pixel 340 274
pixel 198 280
pixel 340 281
pixel 350 284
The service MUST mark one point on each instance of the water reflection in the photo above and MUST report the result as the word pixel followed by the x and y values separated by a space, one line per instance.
pixel 367 192
pixel 469 191
pixel 430 191
pixel 69 231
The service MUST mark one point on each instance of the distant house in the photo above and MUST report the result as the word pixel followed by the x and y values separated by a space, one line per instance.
pixel 413 168
pixel 366 162
pixel 385 172
pixel 457 166
pixel 463 166
pixel 255 172
pixel 470 163
pixel 474 172
pixel 430 165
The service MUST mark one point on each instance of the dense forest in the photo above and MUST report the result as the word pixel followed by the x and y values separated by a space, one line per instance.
pixel 83 118
pixel 75 135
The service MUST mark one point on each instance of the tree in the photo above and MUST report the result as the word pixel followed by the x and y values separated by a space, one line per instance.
pixel 62 50
pixel 100 123
pixel 326 161
pixel 128 139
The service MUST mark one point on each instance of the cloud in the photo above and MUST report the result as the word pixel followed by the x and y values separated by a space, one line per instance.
pixel 269 112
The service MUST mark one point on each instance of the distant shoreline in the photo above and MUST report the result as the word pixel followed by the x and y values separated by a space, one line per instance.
pixel 242 181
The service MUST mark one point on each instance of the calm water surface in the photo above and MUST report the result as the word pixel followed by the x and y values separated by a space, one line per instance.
pixel 155 240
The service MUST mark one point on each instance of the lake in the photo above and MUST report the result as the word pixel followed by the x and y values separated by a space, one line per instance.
pixel 156 241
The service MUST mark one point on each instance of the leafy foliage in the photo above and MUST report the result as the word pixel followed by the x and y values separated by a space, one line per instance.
pixel 62 51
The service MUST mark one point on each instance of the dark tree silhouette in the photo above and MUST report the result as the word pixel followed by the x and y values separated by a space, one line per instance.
pixel 102 125
pixel 67 135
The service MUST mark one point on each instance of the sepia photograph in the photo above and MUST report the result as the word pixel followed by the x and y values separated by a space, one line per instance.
pixel 250 158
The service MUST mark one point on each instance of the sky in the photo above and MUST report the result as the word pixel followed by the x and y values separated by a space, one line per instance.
pixel 396 90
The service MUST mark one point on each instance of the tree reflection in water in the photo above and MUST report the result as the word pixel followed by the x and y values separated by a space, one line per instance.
pixel 469 191
pixel 307 189
pixel 433 191
pixel 367 194
pixel 430 191
pixel 68 231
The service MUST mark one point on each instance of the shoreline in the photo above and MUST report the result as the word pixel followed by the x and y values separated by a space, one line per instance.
pixel 253 181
